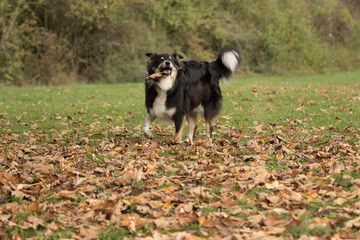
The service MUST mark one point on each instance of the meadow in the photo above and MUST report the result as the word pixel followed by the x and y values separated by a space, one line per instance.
pixel 285 163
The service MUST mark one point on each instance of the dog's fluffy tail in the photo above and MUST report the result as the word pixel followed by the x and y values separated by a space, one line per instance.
pixel 230 58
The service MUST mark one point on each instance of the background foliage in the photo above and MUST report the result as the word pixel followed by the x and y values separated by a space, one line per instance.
pixel 49 42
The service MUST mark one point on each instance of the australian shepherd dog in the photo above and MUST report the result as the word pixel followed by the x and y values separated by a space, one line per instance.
pixel 176 89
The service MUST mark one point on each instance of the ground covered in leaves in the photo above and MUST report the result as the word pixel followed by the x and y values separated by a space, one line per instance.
pixel 105 180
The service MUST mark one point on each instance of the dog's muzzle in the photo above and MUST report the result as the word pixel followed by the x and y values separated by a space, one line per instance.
pixel 166 68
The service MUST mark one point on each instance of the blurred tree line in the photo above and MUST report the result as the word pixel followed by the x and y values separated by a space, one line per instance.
pixel 48 42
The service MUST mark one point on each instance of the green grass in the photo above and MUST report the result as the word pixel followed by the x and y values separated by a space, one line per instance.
pixel 308 135
pixel 276 100
pixel 69 108
pixel 280 100
pixel 297 231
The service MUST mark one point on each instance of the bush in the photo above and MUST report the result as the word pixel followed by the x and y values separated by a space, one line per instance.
pixel 298 36
pixel 50 42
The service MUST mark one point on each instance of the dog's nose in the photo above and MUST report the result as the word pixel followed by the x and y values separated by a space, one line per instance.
pixel 167 63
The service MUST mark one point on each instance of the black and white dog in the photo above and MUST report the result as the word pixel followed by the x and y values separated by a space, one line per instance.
pixel 176 89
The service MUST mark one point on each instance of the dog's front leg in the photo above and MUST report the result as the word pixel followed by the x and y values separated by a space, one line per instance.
pixel 146 129
pixel 179 125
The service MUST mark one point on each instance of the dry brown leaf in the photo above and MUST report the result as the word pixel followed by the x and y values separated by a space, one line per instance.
pixel 33 207
pixel 131 222
pixel 89 232
pixel 340 201
pixel 125 179
pixel 258 128
pixel 355 223
pixel 67 194
pixel 7 178
pixel 165 223
pixel 185 207
pixel 256 220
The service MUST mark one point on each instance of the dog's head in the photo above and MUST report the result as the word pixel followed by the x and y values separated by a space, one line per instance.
pixel 166 64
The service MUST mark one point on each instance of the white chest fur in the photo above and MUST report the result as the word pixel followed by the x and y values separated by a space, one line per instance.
pixel 159 107
pixel 166 83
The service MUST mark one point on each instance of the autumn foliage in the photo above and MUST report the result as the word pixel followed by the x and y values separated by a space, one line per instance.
pixel 153 188
pixel 79 168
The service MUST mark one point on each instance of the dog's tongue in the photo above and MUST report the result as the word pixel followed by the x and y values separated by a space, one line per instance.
pixel 167 71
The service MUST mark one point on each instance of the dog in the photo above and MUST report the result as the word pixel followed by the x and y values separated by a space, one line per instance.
pixel 176 89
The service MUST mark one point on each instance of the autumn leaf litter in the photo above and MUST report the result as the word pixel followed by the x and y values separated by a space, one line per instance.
pixel 270 181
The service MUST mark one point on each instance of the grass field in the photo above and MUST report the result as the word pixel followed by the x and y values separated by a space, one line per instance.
pixel 285 163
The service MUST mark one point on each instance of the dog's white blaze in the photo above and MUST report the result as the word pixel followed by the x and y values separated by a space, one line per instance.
pixel 230 60
pixel 159 108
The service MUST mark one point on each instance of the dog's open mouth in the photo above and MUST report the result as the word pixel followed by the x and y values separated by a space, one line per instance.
pixel 166 71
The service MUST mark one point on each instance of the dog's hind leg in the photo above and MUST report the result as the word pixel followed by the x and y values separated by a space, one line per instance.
pixel 209 129
pixel 192 120
pixel 146 129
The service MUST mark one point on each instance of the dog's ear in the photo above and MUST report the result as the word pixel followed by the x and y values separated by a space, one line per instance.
pixel 178 56
pixel 150 54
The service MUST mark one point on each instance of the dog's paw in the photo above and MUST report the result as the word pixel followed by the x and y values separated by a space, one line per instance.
pixel 148 133
pixel 190 141
pixel 209 142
